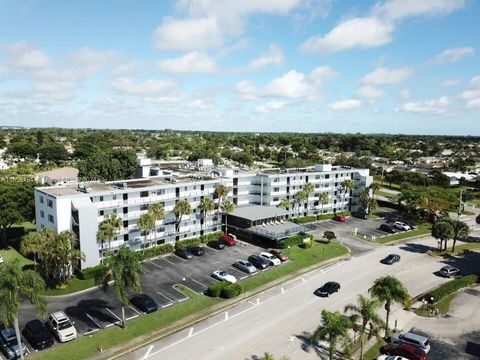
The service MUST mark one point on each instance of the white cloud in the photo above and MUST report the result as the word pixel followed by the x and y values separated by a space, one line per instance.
pixel 473 90
pixel 273 56
pixel 436 106
pixel 363 33
pixel 453 55
pixel 24 56
pixel 474 104
pixel 152 89
pixel 292 84
pixel 370 92
pixel 270 106
pixel 386 76
pixel 399 9
pixel 192 62
pixel 321 73
pixel 345 105
pixel 451 82
pixel 405 94
pixel 199 104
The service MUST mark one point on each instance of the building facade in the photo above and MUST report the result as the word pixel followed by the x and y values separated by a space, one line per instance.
pixel 81 207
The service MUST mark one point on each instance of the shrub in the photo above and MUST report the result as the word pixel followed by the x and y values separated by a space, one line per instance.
pixel 202 239
pixel 294 240
pixel 305 219
pixel 157 250
pixel 210 237
pixel 230 291
pixel 452 286
pixel 91 272
pixel 214 290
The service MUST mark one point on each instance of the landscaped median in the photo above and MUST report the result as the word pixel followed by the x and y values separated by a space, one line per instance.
pixel 423 229
pixel 168 320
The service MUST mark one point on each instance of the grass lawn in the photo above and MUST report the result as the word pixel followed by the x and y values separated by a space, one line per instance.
pixel 458 250
pixel 374 351
pixel 386 194
pixel 74 285
pixel 443 306
pixel 423 229
pixel 11 253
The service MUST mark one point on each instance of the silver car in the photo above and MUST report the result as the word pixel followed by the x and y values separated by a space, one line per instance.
pixel 245 265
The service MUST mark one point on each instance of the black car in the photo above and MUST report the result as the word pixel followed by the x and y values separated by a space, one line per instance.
pixel 184 253
pixel 144 303
pixel 217 244
pixel 259 262
pixel 360 214
pixel 390 259
pixel 388 228
pixel 197 250
pixel 327 289
pixel 38 335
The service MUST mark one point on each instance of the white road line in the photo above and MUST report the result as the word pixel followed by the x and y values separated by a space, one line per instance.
pixel 132 317
pixel 165 297
pixel 283 290
pixel 91 332
pixel 199 283
pixel 303 280
pixel 168 261
pixel 258 301
pixel 226 315
pixel 183 299
pixel 107 326
pixel 252 303
pixel 111 312
pixel 95 321
pixel 243 277
pixel 138 312
pixel 147 354
pixel 167 305
pixel 144 268
pixel 152 263
pixel 190 332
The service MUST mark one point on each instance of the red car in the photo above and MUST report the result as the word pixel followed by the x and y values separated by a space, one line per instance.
pixel 406 350
pixel 340 218
pixel 228 240
pixel 278 254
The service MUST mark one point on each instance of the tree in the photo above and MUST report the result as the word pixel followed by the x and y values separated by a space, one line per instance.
pixel 460 230
pixel 323 199
pixel 443 231
pixel 329 235
pixel 182 207
pixel 334 329
pixel 347 186
pixel 32 243
pixel 300 198
pixel 116 164
pixel 15 283
pixel 365 312
pixel 220 192
pixel 389 290
pixel 53 152
pixel 157 211
pixel 206 205
pixel 364 199
pixel 124 268
pixel 374 186
pixel 146 223
pixel 108 228
pixel 63 255
pixel 284 204
pixel 227 208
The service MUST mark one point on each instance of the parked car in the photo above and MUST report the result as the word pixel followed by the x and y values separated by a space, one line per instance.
pixel 406 350
pixel 38 335
pixel 391 357
pixel 144 303
pixel 197 250
pixel 401 226
pixel 8 342
pixel 340 218
pixel 327 289
pixel 390 259
pixel 259 262
pixel 416 340
pixel 224 276
pixel 228 240
pixel 279 255
pixel 449 271
pixel 273 260
pixel 388 228
pixel 360 214
pixel 184 253
pixel 217 244
pixel 244 265
pixel 62 327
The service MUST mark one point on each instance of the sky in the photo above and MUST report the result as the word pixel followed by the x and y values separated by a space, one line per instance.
pixel 388 66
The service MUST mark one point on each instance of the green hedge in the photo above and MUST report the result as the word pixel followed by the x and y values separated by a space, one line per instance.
pixel 215 290
pixel 452 286
pixel 230 291
pixel 294 240
pixel 157 251
pixel 203 239
pixel 305 219
pixel 91 272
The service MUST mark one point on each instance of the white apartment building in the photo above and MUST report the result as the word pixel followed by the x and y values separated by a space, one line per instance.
pixel 81 207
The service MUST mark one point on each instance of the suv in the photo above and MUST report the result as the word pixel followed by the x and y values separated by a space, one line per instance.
pixel 217 244
pixel 405 350
pixel 259 262
pixel 449 271
pixel 37 335
pixel 388 228
pixel 271 258
pixel 184 253
pixel 9 344
pixel 418 341
pixel 61 326
pixel 197 250
pixel 228 240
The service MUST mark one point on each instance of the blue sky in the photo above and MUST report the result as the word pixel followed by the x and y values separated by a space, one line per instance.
pixel 390 66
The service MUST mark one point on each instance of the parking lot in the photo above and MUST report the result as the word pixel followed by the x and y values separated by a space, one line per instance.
pixel 98 309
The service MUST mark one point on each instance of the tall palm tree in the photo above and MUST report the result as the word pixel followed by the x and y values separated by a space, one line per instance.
pixel 374 186
pixel 284 204
pixel 364 199
pixel 32 243
pixel 146 223
pixel 157 212
pixel 15 283
pixel 347 185
pixel 182 207
pixel 323 199
pixel 108 228
pixel 365 312
pixel 221 191
pixel 389 290
pixel 334 329
pixel 124 268
pixel 227 208
pixel 206 205
pixel 460 230
pixel 65 255
pixel 443 231
pixel 300 198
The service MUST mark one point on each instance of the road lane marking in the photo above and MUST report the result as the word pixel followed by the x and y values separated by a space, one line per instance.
pixel 283 290
pixel 168 261
pixel 199 283
pixel 303 280
pixel 190 332
pixel 132 317
pixel 147 354
pixel 91 332
pixel 171 301
pixel 226 315
pixel 95 321
pixel 138 312
pixel 152 263
pixel 111 312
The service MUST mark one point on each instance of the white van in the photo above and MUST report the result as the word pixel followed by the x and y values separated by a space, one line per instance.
pixel 419 341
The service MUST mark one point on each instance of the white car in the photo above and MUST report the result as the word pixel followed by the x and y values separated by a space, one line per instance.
pixel 401 226
pixel 223 275
pixel 391 357
pixel 62 327
pixel 270 257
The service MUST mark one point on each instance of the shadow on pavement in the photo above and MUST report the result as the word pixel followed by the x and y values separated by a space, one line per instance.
pixel 416 248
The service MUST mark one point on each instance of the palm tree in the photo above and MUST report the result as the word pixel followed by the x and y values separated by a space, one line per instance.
pixel 124 268
pixel 443 231
pixel 32 243
pixel 300 198
pixel 157 212
pixel 146 223
pixel 323 199
pixel 364 199
pixel 227 208
pixel 334 329
pixel 347 185
pixel 365 312
pixel 460 230
pixel 64 255
pixel 374 186
pixel 182 207
pixel 284 204
pixel 206 205
pixel 389 290
pixel 108 228
pixel 15 283
pixel 221 191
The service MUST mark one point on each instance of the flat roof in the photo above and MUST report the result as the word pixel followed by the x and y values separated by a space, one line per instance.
pixel 309 169
pixel 258 212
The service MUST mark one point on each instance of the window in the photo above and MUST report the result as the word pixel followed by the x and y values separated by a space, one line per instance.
pixel 125 224
pixel 41 199
pixel 161 241
pixel 101 198
pixel 336 176
pixel 276 199
pixel 276 189
pixel 317 177
pixel 161 192
pixel 161 229
pixel 185 188
pixel 143 194
pixel 125 210
pixel 125 237
pixel 42 214
pixel 143 207
pixel 50 203
pixel 101 212
pixel 114 197
pixel 50 218
pixel 327 176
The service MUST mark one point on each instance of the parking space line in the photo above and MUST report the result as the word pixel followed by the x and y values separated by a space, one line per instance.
pixel 199 283
pixel 90 332
pixel 243 277
pixel 167 305
pixel 132 317
pixel 165 297
pixel 168 261
pixel 183 299
pixel 95 321
pixel 152 263
pixel 111 312
pixel 138 312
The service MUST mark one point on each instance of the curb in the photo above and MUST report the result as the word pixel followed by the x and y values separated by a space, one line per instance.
pixel 190 320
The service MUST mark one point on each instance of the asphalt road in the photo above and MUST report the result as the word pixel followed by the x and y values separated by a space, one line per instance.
pixel 280 320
